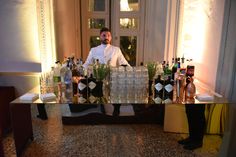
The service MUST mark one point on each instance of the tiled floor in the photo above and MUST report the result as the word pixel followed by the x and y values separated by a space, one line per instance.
pixel 51 138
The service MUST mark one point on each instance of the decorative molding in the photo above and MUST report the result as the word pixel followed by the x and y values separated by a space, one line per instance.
pixel 46 33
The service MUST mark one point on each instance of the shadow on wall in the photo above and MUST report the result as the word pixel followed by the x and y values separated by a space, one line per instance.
pixel 16 66
pixel 22 83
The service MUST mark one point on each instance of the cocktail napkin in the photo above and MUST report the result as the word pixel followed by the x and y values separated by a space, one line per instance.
pixel 47 96
pixel 204 97
pixel 126 110
pixel 29 97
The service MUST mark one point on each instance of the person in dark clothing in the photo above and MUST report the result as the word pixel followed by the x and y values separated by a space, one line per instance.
pixel 1 145
pixel 196 123
pixel 42 112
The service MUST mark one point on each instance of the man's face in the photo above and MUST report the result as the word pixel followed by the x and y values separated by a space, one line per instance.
pixel 105 37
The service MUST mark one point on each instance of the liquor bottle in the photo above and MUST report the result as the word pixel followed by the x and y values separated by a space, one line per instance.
pixel 174 68
pixel 92 88
pixel 190 71
pixel 179 88
pixel 50 82
pixel 68 83
pixel 190 90
pixel 75 77
pixel 158 89
pixel 166 68
pixel 183 66
pixel 168 90
pixel 164 65
pixel 56 77
pixel 80 67
pixel 94 69
pixel 177 73
pixel 62 72
pixel 178 61
pixel 172 62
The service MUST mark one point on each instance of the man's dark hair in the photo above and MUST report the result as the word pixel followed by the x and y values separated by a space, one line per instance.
pixel 104 29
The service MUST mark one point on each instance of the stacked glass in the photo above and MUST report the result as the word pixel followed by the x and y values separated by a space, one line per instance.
pixel 46 83
pixel 141 84
pixel 129 85
pixel 114 85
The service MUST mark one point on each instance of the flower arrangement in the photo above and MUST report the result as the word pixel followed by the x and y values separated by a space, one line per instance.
pixel 152 67
pixel 100 71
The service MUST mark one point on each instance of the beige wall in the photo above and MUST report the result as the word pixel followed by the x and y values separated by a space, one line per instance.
pixel 206 71
pixel 67 28
pixel 155 30
pixel 19 44
pixel 18 35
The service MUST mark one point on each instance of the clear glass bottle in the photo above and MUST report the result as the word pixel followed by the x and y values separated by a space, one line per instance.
pixel 56 77
pixel 68 84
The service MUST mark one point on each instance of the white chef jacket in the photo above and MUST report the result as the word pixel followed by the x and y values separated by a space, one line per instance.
pixel 106 53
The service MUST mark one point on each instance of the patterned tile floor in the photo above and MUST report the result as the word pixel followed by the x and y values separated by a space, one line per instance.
pixel 52 138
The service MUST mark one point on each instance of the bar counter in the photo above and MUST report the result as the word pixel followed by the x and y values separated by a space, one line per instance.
pixel 102 110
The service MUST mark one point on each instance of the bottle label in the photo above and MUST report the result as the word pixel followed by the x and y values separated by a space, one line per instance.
pixel 92 99
pixel 158 100
pixel 92 85
pixel 169 88
pixel 158 86
pixel 82 100
pixel 81 86
pixel 56 79
pixel 67 79
pixel 190 70
pixel 167 101
pixel 183 70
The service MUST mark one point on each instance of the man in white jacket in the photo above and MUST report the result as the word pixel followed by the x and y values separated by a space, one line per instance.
pixel 106 53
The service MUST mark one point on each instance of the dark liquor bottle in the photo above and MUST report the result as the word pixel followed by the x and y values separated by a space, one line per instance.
pixel 158 89
pixel 75 75
pixel 178 62
pixel 166 69
pixel 174 68
pixel 163 65
pixel 168 90
pixel 83 90
pixel 183 66
pixel 92 85
pixel 172 62
pixel 189 72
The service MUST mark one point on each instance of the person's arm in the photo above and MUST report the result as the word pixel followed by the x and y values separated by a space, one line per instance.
pixel 89 59
pixel 121 59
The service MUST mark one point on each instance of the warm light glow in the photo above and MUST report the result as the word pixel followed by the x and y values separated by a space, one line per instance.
pixel 29 28
pixel 46 34
pixel 193 35
pixel 124 5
